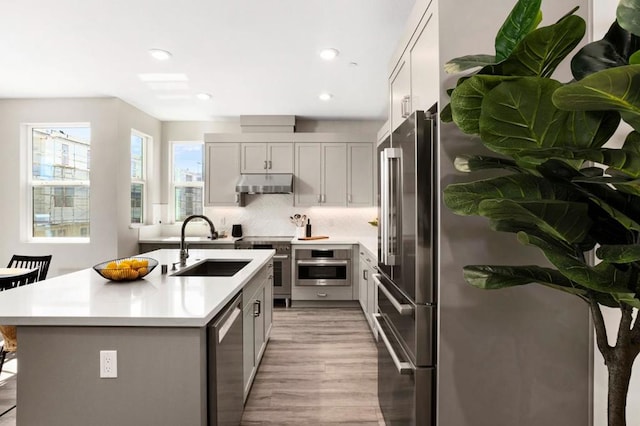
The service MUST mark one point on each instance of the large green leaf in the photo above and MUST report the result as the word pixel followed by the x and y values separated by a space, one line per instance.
pixel 464 198
pixel 611 89
pixel 627 15
pixel 519 115
pixel 542 50
pixel 466 101
pixel 564 220
pixel 464 63
pixel 614 50
pixel 524 17
pixel 493 277
pixel 621 253
pixel 471 163
pixel 605 278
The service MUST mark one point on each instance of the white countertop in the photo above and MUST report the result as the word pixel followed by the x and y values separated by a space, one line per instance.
pixel 84 298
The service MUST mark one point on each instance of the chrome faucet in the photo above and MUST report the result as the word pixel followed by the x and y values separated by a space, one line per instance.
pixel 184 252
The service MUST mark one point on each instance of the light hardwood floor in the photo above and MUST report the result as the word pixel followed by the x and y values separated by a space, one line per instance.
pixel 319 368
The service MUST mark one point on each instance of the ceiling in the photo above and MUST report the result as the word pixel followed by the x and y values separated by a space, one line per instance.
pixel 252 56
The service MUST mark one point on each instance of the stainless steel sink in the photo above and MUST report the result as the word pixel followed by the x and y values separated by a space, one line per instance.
pixel 213 268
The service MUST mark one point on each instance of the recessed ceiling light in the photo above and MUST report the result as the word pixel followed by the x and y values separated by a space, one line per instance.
pixel 163 77
pixel 325 96
pixel 159 54
pixel 204 96
pixel 329 53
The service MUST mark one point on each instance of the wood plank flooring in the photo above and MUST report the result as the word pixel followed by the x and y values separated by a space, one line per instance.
pixel 319 369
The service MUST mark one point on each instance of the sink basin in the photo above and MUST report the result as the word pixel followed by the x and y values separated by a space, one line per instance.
pixel 213 268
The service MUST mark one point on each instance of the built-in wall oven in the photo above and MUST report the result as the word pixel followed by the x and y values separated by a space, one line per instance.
pixel 323 267
pixel 281 261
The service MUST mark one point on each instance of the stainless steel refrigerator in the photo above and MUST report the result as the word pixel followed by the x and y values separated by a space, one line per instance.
pixel 407 310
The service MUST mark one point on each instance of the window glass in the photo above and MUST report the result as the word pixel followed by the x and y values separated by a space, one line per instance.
pixel 139 143
pixel 60 181
pixel 188 186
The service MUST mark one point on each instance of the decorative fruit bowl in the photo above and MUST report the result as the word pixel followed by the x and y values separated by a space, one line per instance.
pixel 127 269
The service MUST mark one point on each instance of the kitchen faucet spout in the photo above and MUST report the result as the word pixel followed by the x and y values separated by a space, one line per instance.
pixel 184 252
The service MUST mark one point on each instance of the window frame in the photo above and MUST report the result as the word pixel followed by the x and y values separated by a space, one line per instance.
pixel 172 179
pixel 31 184
pixel 146 141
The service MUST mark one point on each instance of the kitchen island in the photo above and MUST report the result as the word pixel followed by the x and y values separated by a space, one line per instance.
pixel 157 325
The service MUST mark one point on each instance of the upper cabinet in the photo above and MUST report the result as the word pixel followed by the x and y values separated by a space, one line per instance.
pixel 413 81
pixel 321 174
pixel 334 174
pixel 272 157
pixel 222 171
pixel 360 175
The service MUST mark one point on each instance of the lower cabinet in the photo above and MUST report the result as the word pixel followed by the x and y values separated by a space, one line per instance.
pixel 257 317
pixel 367 287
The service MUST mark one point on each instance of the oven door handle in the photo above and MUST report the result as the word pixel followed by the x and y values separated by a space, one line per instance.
pixel 281 256
pixel 322 262
pixel 402 308
pixel 403 367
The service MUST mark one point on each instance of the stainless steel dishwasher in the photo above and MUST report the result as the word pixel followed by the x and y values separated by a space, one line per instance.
pixel 224 383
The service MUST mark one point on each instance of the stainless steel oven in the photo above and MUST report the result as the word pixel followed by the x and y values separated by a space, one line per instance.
pixel 323 267
pixel 281 261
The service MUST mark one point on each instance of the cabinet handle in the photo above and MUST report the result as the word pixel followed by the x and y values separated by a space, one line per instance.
pixel 322 294
pixel 237 197
pixel 265 163
pixel 269 164
pixel 405 106
pixel 256 313
pixel 324 198
pixel 365 275
pixel 349 198
pixel 319 198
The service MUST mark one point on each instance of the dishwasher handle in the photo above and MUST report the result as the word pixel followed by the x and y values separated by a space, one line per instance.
pixel 228 318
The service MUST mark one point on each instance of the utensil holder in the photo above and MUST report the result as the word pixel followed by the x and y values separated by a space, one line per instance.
pixel 300 232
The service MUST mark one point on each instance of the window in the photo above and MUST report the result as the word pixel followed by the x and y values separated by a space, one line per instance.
pixel 139 143
pixel 59 180
pixel 187 184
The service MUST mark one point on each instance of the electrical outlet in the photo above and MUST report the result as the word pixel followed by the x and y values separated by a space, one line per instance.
pixel 108 364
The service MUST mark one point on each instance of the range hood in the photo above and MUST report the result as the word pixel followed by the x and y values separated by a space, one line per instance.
pixel 265 184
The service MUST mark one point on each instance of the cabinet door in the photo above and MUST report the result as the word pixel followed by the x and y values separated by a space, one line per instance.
pixel 254 158
pixel 360 180
pixel 400 85
pixel 268 304
pixel 424 65
pixel 307 186
pixel 280 157
pixel 248 353
pixel 222 173
pixel 363 287
pixel 258 326
pixel 334 174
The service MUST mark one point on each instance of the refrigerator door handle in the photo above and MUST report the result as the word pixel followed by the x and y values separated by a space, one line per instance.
pixel 390 175
pixel 402 308
pixel 403 367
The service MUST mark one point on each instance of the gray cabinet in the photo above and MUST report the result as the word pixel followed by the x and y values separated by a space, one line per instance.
pixel 257 305
pixel 360 175
pixel 413 81
pixel 222 171
pixel 272 157
pixel 321 174
pixel 367 288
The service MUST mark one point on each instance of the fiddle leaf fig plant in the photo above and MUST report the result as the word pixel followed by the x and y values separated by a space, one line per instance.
pixel 559 187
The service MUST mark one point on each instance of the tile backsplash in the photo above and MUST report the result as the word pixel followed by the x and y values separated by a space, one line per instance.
pixel 268 215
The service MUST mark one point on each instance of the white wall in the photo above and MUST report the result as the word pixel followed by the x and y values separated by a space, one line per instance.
pixel 110 121
pixel 518 356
